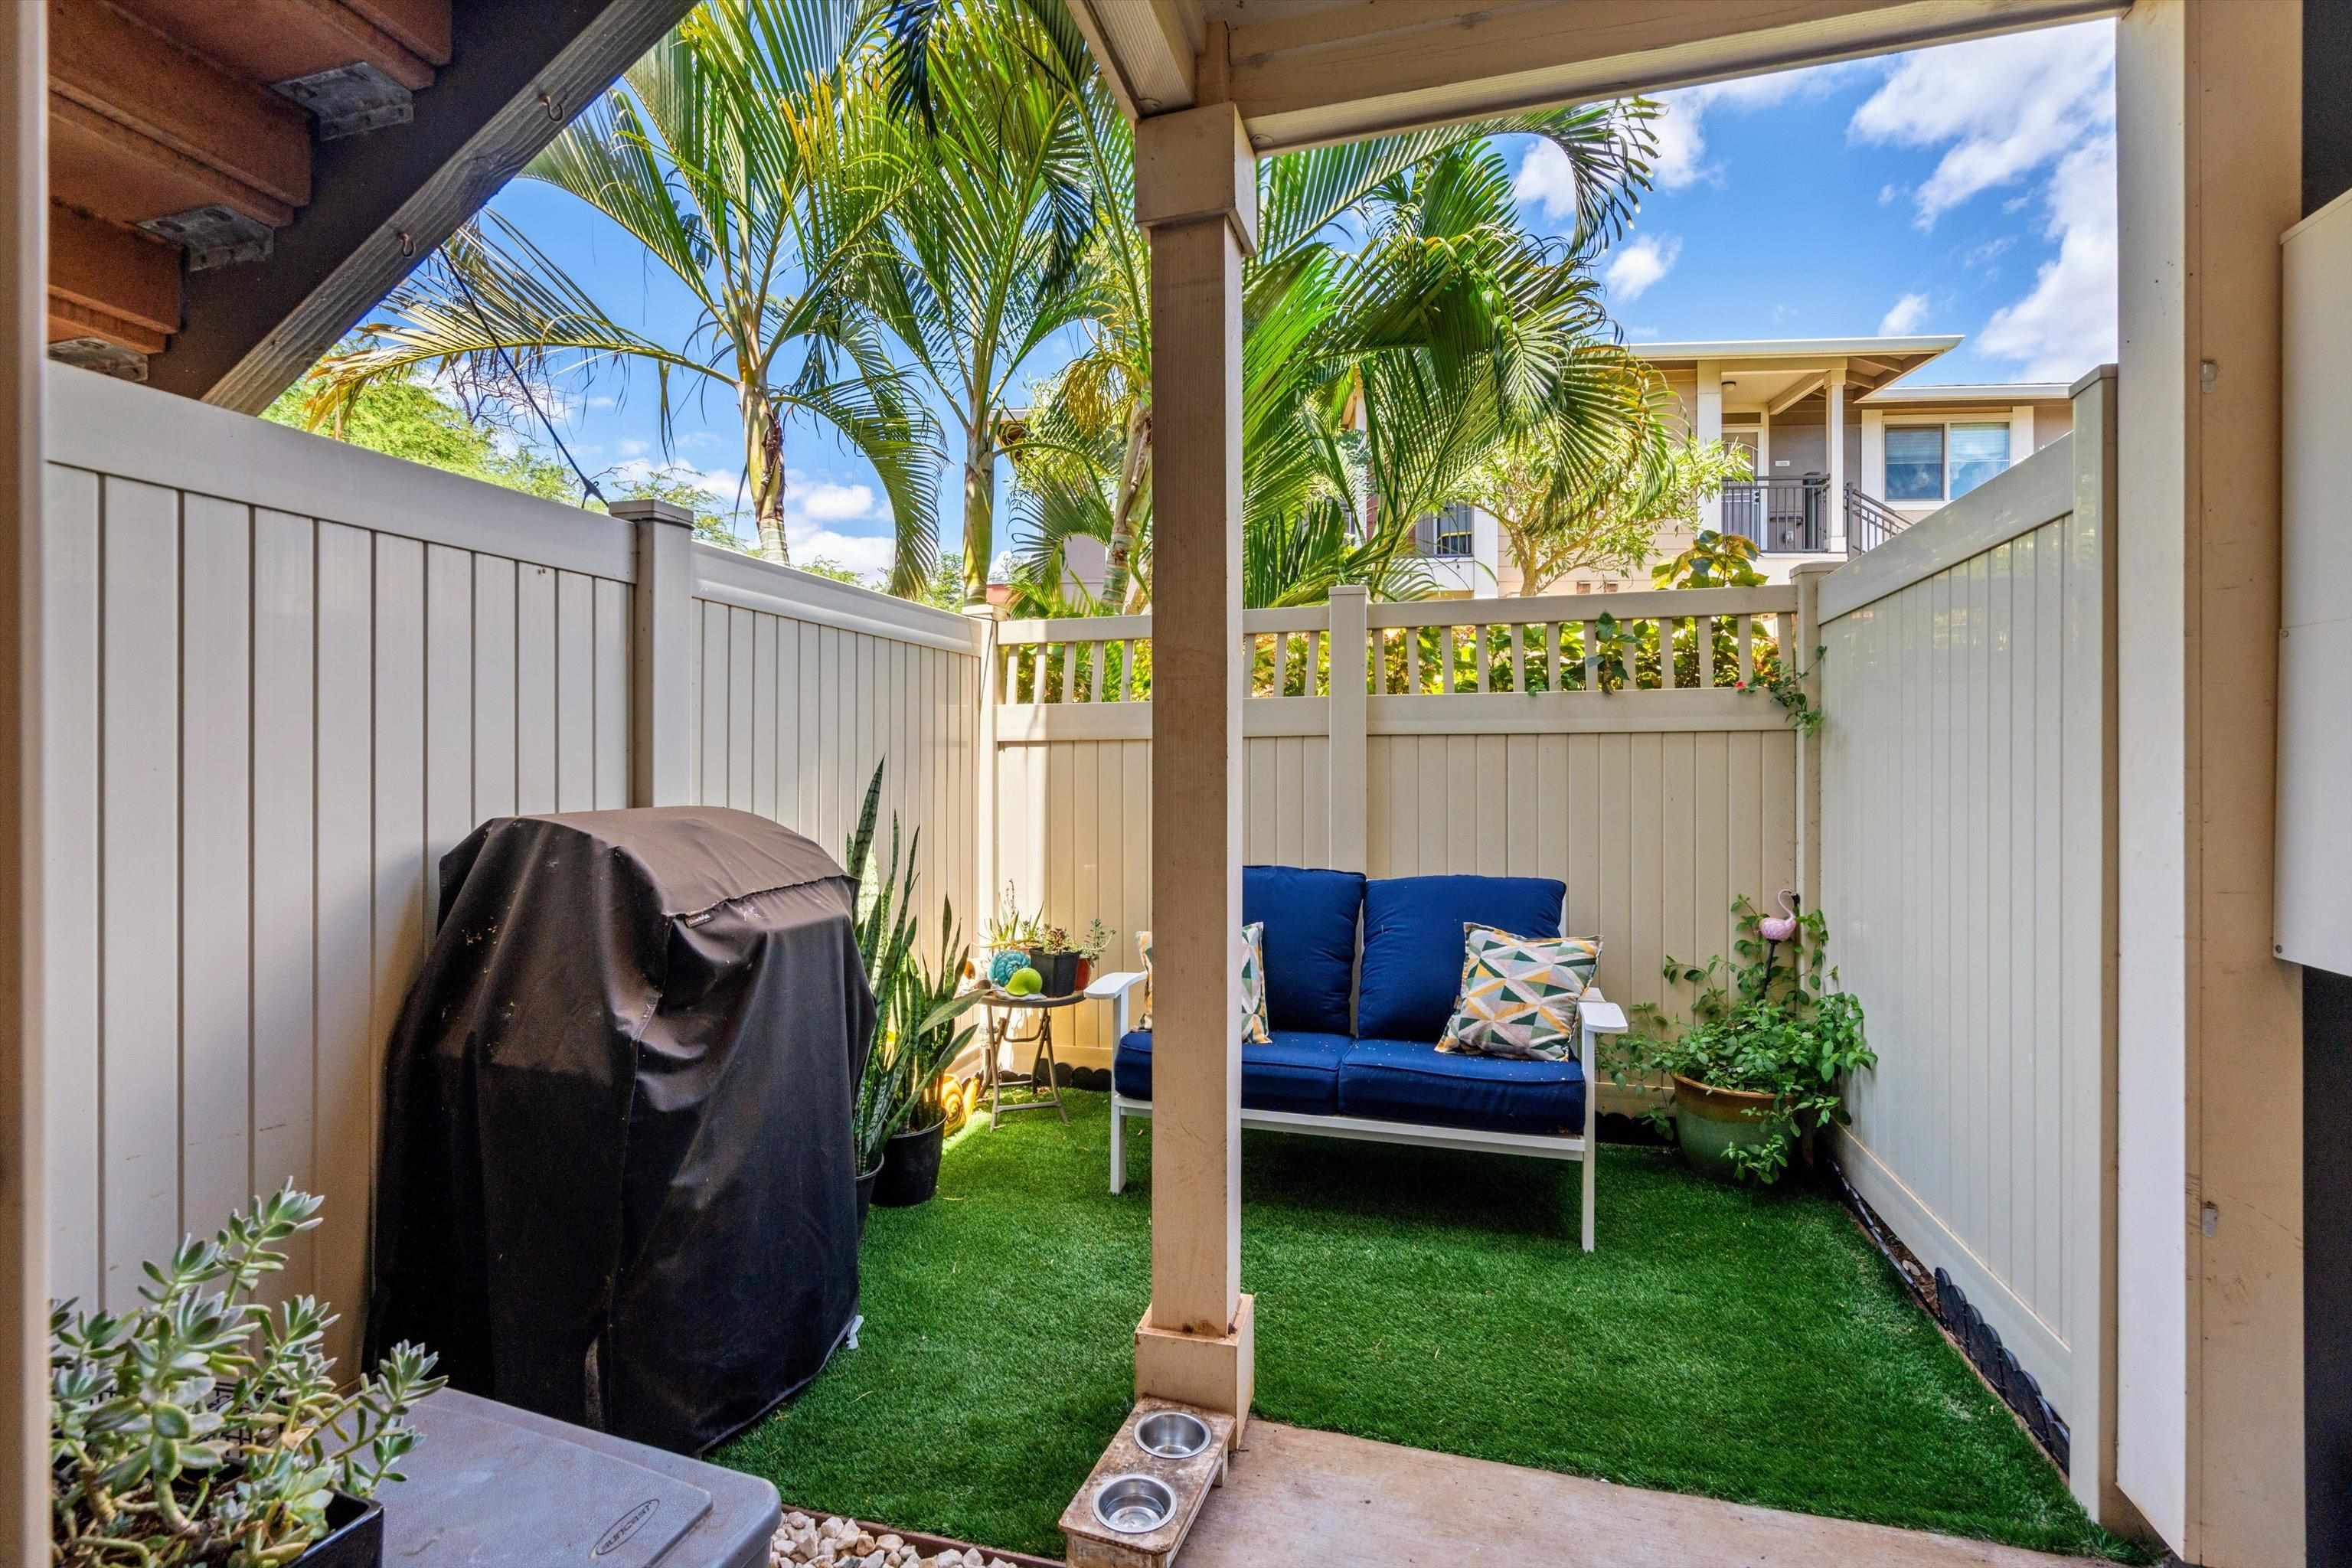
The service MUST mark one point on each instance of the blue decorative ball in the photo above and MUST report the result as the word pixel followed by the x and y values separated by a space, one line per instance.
pixel 1000 967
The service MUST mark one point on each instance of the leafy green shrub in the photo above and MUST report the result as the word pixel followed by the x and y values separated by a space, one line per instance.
pixel 1770 1023
pixel 204 1427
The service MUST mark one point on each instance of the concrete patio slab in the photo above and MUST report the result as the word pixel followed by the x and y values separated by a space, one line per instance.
pixel 1312 1498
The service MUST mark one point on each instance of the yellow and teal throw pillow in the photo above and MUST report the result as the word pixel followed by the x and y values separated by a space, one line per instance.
pixel 1253 1026
pixel 1518 994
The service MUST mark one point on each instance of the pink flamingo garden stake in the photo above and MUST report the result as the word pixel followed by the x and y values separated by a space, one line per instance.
pixel 1778 929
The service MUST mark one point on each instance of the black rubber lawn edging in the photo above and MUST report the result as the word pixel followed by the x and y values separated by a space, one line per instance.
pixel 1975 1339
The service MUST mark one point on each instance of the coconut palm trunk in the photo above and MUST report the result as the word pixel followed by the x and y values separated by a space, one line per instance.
pixel 979 508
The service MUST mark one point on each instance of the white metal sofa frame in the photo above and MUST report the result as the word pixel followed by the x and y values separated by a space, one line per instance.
pixel 1598 1015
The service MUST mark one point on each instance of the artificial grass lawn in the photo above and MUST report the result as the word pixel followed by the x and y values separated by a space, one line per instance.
pixel 1742 1345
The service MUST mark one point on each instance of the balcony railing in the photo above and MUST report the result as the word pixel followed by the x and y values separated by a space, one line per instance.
pixel 1780 515
pixel 1795 516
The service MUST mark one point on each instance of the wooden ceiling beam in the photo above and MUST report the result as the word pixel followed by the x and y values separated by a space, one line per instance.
pixel 1370 67
pixel 385 201
pixel 71 319
pixel 1147 50
pixel 277 40
pixel 125 274
pixel 121 69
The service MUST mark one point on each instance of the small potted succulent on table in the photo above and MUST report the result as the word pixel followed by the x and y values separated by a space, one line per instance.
pixel 1761 1066
pixel 204 1427
pixel 1064 963
pixel 1007 938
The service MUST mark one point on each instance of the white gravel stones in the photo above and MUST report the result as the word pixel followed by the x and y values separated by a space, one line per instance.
pixel 804 1541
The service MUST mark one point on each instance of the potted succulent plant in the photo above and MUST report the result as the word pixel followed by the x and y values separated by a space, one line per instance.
pixel 1063 962
pixel 899 1119
pixel 204 1427
pixel 1762 1063
pixel 1007 938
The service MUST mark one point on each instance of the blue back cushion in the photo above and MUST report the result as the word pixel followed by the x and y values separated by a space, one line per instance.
pixel 1413 943
pixel 1311 942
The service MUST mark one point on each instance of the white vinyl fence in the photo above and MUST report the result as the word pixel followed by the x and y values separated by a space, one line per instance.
pixel 1967 870
pixel 283 676
pixel 1403 739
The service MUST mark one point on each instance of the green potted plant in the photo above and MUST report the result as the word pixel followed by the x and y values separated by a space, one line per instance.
pixel 1761 1064
pixel 204 1427
pixel 902 1106
pixel 914 1008
pixel 1007 938
pixel 1063 962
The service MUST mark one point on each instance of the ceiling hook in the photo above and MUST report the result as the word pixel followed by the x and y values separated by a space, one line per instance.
pixel 548 103
pixel 407 243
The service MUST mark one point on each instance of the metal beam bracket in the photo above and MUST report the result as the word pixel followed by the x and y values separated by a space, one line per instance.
pixel 350 100
pixel 213 236
pixel 98 354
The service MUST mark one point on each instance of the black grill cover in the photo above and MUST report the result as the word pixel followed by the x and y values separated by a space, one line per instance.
pixel 617 1181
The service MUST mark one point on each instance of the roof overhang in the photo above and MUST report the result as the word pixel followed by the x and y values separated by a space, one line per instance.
pixel 1303 72
pixel 1975 392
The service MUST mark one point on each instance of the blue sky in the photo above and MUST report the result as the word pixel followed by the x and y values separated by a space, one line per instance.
pixel 1966 189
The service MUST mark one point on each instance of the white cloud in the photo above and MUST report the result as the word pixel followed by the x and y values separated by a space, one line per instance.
pixel 2067 324
pixel 2000 108
pixel 1903 318
pixel 1888 195
pixel 631 449
pixel 826 502
pixel 1634 266
pixel 1545 176
pixel 2028 110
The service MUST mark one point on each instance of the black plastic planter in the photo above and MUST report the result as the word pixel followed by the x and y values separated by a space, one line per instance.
pixel 911 1168
pixel 866 1195
pixel 354 1537
pixel 1058 970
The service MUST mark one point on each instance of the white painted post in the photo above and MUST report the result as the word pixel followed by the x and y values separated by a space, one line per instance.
pixel 24 1217
pixel 983 618
pixel 1874 452
pixel 661 654
pixel 1807 580
pixel 1196 193
pixel 1351 639
pixel 1708 427
pixel 1833 399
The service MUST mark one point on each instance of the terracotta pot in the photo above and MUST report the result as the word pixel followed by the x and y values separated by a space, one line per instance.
pixel 1711 1122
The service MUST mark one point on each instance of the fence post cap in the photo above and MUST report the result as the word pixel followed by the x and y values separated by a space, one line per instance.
pixel 1350 590
pixel 646 509
pixel 1813 569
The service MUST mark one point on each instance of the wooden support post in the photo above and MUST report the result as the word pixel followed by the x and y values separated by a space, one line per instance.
pixel 1706 425
pixel 1834 402
pixel 1350 640
pixel 1195 192
pixel 24 1221
pixel 661 687
pixel 2210 1188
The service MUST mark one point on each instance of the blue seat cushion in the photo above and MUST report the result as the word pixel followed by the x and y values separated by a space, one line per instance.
pixel 1311 942
pixel 1405 1081
pixel 1296 1070
pixel 1413 943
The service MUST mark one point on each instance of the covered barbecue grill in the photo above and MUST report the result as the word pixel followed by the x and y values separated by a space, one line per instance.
pixel 618 1187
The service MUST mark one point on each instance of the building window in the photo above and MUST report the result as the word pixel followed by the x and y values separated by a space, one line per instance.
pixel 1609 587
pixel 1454 535
pixel 1915 462
pixel 1979 452
pixel 1937 463
pixel 1584 587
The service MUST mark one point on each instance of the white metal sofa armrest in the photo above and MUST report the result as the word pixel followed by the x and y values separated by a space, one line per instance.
pixel 1119 990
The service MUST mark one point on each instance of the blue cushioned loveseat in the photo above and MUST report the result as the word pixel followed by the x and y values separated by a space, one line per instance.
pixel 1354 1047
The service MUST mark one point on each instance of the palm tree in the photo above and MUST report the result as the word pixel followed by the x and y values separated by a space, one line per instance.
pixel 1397 319
pixel 748 158
pixel 991 236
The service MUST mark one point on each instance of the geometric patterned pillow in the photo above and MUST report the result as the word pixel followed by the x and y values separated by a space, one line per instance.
pixel 1518 994
pixel 1254 1025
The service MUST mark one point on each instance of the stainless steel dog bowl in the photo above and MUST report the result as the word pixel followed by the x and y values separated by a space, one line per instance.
pixel 1171 1435
pixel 1134 1505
